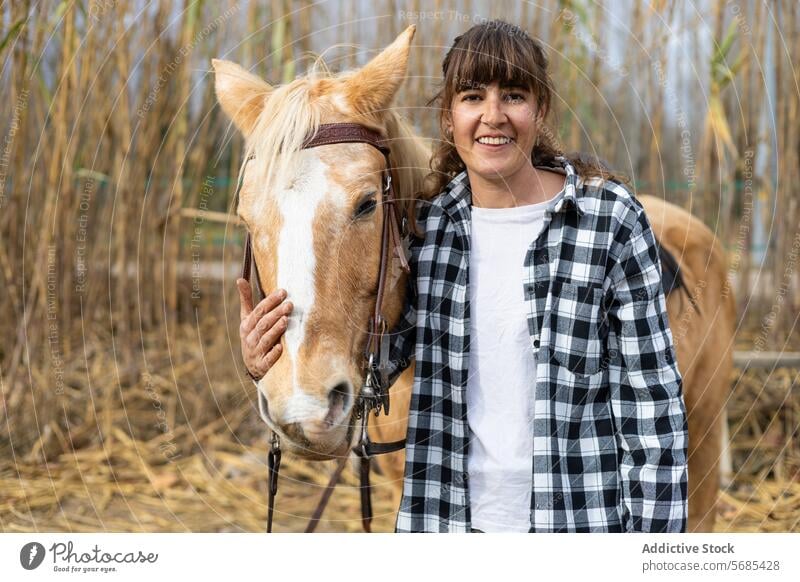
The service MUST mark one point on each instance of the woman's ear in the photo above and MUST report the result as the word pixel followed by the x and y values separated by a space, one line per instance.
pixel 447 126
pixel 540 114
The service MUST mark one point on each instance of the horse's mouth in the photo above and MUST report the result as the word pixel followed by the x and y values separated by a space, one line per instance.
pixel 295 441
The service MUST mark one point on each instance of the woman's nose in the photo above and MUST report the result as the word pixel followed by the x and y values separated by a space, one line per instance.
pixel 493 113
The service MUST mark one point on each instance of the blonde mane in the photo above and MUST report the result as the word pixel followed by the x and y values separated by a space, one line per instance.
pixel 291 114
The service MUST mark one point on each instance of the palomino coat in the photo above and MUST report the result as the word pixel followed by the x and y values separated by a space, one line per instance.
pixel 609 430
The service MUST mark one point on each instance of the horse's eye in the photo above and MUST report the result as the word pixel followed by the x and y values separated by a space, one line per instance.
pixel 366 206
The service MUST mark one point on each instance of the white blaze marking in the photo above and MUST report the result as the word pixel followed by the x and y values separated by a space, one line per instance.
pixel 296 264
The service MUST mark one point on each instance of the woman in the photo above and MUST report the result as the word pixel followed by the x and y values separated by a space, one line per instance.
pixel 546 393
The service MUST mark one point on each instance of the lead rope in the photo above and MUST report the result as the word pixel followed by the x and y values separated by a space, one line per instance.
pixel 326 495
pixel 273 467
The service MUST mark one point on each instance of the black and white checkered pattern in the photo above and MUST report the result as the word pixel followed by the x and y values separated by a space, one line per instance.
pixel 609 432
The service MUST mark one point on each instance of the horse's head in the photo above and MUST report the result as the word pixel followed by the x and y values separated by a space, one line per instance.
pixel 315 218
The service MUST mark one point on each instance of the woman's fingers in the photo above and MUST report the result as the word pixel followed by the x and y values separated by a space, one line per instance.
pixel 262 327
pixel 271 357
pixel 272 335
pixel 266 305
pixel 267 323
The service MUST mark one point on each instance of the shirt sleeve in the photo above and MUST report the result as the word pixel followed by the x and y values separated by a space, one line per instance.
pixel 647 394
pixel 403 336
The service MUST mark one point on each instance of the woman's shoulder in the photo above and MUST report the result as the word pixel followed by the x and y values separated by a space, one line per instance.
pixel 434 205
pixel 606 195
pixel 609 197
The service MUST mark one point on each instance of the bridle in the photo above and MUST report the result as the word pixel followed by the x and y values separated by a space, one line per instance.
pixel 374 394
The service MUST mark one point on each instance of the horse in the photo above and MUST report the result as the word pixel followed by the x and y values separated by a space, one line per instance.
pixel 315 221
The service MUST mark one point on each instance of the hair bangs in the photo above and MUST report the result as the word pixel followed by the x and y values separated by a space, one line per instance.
pixel 492 57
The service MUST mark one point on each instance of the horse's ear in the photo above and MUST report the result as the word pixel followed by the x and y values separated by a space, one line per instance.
pixel 372 88
pixel 241 94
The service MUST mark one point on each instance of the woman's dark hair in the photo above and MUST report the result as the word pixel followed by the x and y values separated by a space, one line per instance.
pixel 497 51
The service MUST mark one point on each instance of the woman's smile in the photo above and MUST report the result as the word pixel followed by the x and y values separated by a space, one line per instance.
pixel 494 143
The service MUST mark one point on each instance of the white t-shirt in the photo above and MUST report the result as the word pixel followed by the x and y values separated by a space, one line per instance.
pixel 502 368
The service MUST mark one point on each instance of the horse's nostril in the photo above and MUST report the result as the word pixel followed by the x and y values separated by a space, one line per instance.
pixel 339 398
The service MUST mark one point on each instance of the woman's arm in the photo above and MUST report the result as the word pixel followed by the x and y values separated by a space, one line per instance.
pixel 647 400
pixel 403 337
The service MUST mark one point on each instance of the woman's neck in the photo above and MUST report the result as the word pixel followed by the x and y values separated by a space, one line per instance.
pixel 526 186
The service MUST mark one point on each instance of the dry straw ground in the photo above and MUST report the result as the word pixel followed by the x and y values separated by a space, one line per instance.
pixel 204 468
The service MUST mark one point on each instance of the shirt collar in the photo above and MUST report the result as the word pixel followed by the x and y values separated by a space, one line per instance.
pixel 456 198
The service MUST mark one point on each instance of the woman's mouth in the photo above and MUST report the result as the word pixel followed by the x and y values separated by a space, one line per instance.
pixel 494 142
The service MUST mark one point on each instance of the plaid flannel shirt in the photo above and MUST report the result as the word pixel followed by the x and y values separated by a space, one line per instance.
pixel 609 429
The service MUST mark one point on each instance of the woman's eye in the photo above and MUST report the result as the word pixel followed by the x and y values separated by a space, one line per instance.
pixel 516 97
pixel 366 206
pixel 470 97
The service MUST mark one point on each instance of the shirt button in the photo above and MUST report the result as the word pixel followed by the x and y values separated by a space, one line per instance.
pixel 535 342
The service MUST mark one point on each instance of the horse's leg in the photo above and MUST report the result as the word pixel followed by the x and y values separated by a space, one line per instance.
pixel 703 471
pixel 706 395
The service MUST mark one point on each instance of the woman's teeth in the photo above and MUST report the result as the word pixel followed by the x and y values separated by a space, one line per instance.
pixel 494 140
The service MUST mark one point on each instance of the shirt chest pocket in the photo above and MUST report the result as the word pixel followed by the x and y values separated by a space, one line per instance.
pixel 578 328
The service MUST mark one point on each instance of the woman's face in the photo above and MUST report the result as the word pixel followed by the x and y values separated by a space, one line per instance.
pixel 494 129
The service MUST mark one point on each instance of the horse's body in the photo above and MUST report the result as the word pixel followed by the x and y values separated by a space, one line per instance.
pixel 312 238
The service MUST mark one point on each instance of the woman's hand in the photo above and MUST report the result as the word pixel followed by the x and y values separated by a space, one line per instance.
pixel 261 328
